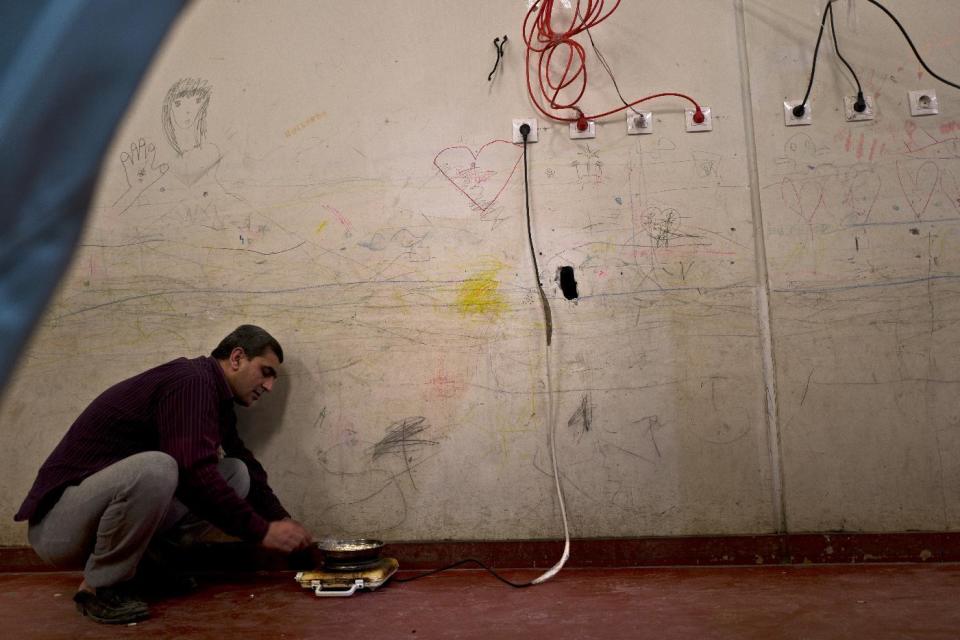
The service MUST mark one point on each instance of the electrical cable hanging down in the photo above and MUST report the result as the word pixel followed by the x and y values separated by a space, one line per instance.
pixel 499 45
pixel 547 316
pixel 541 39
pixel 552 415
pixel 860 104
pixel 910 42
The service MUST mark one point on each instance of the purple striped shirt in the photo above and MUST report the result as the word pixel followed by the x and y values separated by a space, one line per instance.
pixel 184 408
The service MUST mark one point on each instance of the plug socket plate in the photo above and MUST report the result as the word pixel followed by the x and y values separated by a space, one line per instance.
pixel 924 103
pixel 706 125
pixel 639 122
pixel 589 132
pixel 532 136
pixel 852 114
pixel 791 120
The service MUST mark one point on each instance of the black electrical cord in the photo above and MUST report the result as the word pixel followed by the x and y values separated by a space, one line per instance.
pixel 860 104
pixel 910 42
pixel 547 316
pixel 801 108
pixel 516 585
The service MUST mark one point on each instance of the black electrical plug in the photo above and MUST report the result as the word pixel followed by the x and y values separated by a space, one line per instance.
pixel 524 131
pixel 799 110
pixel 860 105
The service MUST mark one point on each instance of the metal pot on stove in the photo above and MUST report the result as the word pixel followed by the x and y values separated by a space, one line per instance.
pixel 350 554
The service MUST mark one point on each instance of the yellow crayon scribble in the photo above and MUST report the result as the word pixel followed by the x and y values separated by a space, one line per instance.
pixel 481 295
pixel 320 226
pixel 304 124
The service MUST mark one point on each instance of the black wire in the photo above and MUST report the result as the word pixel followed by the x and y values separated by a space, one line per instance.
pixel 516 585
pixel 499 45
pixel 547 317
pixel 800 109
pixel 861 104
pixel 910 42
pixel 606 66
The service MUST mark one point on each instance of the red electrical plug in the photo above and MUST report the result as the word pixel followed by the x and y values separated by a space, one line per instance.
pixel 698 117
pixel 582 123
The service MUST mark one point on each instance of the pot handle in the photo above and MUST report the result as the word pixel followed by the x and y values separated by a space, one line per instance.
pixel 338 593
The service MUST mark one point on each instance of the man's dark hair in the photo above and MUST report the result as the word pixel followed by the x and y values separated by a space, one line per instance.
pixel 252 339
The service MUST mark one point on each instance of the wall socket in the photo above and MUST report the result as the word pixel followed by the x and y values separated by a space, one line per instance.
pixel 924 103
pixel 532 136
pixel 858 116
pixel 589 132
pixel 639 122
pixel 793 121
pixel 706 125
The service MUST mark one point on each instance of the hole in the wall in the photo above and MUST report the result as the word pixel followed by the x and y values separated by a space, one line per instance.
pixel 568 284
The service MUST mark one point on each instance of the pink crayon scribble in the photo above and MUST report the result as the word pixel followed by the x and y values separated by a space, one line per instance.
pixel 342 219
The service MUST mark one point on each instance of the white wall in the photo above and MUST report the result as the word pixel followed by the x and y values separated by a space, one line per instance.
pixel 734 381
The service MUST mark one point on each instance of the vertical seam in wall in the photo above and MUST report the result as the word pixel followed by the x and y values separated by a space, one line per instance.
pixel 763 282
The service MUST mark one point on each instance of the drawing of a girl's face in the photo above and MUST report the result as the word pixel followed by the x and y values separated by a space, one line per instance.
pixel 186 109
pixel 184 113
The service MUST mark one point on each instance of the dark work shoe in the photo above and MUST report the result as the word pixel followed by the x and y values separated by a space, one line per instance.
pixel 111 605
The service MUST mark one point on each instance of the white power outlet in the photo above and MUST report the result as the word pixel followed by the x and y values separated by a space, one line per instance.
pixel 706 125
pixel 639 122
pixel 589 132
pixel 793 121
pixel 924 103
pixel 532 136
pixel 858 116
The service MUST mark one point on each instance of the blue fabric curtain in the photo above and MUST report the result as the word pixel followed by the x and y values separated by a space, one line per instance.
pixel 68 69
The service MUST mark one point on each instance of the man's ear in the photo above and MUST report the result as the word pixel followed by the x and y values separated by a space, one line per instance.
pixel 235 356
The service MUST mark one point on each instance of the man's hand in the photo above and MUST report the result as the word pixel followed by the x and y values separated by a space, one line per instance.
pixel 286 536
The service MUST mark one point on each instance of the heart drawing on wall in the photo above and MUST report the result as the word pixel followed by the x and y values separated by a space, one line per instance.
pixel 481 176
pixel 918 184
pixel 805 201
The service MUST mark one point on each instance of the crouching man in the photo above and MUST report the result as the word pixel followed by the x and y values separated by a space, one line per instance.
pixel 157 458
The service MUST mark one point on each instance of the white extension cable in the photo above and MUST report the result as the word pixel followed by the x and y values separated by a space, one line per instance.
pixel 552 431
pixel 552 411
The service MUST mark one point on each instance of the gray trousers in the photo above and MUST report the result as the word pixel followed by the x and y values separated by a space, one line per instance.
pixel 105 524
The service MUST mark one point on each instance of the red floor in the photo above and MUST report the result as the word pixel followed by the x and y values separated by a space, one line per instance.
pixel 838 601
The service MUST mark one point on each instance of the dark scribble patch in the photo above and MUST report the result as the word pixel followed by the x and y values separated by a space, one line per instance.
pixel 582 418
pixel 402 438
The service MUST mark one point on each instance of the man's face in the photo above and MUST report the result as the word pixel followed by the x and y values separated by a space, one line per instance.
pixel 249 378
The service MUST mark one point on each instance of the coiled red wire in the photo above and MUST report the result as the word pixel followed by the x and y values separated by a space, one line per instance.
pixel 543 41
